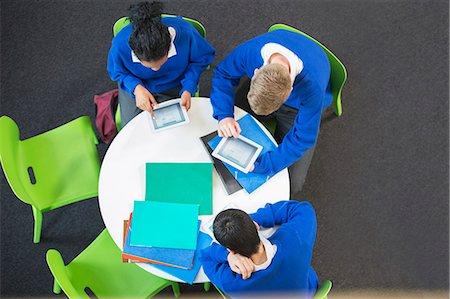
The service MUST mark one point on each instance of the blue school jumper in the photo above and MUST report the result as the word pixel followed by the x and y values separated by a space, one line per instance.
pixel 310 95
pixel 193 55
pixel 290 271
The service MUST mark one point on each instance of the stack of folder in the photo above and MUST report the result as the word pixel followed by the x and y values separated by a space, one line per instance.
pixel 164 229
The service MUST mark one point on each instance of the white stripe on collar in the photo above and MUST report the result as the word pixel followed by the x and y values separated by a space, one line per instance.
pixel 172 49
pixel 270 253
pixel 295 62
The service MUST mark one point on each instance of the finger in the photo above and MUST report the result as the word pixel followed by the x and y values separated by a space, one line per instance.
pixel 226 132
pixel 152 100
pixel 238 127
pixel 232 131
pixel 219 132
pixel 188 104
pixel 152 113
pixel 235 269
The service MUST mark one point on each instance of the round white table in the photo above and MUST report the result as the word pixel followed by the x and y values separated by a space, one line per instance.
pixel 122 174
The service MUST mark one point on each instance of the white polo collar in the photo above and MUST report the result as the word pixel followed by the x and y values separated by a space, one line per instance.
pixel 172 49
pixel 271 249
pixel 295 63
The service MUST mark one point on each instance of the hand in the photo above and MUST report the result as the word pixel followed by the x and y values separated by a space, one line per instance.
pixel 186 100
pixel 144 99
pixel 228 127
pixel 241 265
pixel 252 168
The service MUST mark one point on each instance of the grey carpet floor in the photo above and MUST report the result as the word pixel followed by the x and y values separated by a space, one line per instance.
pixel 379 178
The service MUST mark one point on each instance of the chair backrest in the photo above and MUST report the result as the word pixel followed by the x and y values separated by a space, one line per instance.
pixel 323 290
pixel 36 167
pixel 56 264
pixel 338 71
pixel 124 21
pixel 10 157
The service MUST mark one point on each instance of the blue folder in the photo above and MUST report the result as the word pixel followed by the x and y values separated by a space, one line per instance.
pixel 250 129
pixel 188 276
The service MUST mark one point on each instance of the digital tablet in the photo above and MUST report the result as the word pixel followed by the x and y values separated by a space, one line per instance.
pixel 239 152
pixel 168 115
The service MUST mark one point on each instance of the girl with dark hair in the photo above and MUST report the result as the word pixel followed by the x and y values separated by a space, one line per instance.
pixel 155 59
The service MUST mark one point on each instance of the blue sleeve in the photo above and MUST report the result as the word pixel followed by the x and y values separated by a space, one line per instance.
pixel 201 54
pixel 297 216
pixel 118 72
pixel 241 61
pixel 301 137
pixel 215 265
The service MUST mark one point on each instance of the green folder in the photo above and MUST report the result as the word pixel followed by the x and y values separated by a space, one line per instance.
pixel 180 183
pixel 163 224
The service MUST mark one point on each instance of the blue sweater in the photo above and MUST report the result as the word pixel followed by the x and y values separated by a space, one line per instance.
pixel 193 55
pixel 311 92
pixel 290 270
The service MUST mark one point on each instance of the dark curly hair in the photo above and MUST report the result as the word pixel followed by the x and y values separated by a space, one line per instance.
pixel 150 39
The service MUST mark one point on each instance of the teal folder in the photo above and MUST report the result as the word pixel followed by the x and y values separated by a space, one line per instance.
pixel 162 224
pixel 180 183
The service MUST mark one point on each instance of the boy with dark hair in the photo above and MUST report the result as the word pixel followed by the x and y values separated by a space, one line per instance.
pixel 245 262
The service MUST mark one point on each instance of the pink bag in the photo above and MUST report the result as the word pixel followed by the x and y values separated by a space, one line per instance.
pixel 105 112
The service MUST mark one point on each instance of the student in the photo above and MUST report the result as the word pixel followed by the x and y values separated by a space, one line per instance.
pixel 246 263
pixel 290 77
pixel 155 59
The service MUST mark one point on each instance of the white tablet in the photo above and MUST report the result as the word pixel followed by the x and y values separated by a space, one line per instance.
pixel 169 114
pixel 239 152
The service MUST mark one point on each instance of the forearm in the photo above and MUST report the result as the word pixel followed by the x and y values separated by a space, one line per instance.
pixel 282 212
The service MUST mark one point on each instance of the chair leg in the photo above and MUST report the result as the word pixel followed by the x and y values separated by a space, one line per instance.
pixel 176 289
pixel 37 224
pixel 56 287
pixel 206 286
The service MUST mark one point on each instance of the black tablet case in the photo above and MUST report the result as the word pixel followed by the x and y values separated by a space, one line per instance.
pixel 228 180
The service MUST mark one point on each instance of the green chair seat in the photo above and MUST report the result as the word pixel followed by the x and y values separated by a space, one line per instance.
pixel 52 169
pixel 100 269
pixel 338 71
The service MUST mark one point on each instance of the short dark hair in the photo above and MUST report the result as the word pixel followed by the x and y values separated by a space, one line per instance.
pixel 235 230
pixel 150 39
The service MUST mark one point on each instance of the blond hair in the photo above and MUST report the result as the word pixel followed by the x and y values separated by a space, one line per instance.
pixel 270 87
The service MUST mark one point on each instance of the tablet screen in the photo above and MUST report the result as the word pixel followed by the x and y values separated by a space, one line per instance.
pixel 168 116
pixel 238 151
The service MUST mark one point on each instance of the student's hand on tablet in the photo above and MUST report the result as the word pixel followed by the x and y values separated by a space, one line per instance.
pixel 252 168
pixel 186 100
pixel 144 99
pixel 228 127
pixel 241 265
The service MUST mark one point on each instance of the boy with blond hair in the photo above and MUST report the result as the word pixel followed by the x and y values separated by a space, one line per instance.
pixel 290 76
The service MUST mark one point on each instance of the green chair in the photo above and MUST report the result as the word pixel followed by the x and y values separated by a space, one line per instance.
pixel 53 169
pixel 100 269
pixel 124 21
pixel 323 290
pixel 338 71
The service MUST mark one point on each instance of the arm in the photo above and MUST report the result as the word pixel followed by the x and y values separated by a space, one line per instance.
pixel 200 56
pixel 299 216
pixel 216 267
pixel 118 72
pixel 302 135
pixel 226 77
